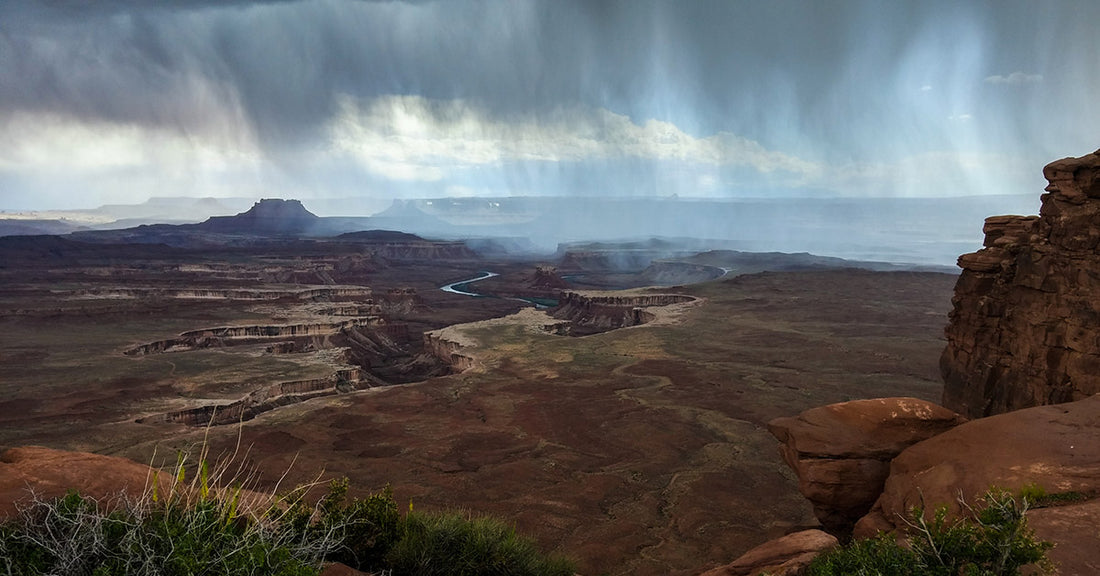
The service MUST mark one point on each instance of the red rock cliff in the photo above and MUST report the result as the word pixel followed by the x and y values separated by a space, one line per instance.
pixel 1023 329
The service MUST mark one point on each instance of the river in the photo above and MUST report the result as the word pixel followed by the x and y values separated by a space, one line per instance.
pixel 463 287
pixel 460 286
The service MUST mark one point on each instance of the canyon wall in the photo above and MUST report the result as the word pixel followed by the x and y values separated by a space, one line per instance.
pixel 1023 329
pixel 449 351
pixel 229 335
pixel 424 250
pixel 594 313
pixel 264 399
pixel 335 293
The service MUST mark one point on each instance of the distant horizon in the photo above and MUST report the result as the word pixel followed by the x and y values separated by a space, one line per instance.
pixel 9 211
pixel 921 231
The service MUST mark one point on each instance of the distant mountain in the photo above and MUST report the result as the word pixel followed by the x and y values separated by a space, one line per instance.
pixel 269 216
pixel 13 227
pixel 408 215
pixel 159 210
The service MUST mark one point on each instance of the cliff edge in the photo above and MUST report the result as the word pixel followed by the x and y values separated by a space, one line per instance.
pixel 1023 329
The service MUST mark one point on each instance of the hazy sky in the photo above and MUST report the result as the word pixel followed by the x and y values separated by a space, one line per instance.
pixel 116 101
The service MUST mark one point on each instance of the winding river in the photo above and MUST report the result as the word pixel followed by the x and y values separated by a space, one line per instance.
pixel 461 286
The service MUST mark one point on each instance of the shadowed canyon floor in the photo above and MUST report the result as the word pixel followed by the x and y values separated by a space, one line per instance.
pixel 636 451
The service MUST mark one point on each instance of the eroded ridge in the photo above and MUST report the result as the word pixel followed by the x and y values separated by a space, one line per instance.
pixel 594 312
pixel 365 351
pixel 268 398
pixel 253 334
pixel 342 292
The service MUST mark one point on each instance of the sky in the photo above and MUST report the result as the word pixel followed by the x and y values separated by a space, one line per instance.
pixel 116 101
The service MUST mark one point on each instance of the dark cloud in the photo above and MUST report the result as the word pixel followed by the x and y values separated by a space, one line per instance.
pixel 847 82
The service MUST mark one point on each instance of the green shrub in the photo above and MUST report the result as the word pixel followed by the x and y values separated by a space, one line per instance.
pixel 995 542
pixel 452 544
pixel 1037 497
pixel 879 556
pixel 196 529
pixel 76 536
pixel 364 530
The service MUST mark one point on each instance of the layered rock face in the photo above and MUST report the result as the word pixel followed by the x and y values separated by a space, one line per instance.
pixel 1026 307
pixel 842 452
pixel 591 312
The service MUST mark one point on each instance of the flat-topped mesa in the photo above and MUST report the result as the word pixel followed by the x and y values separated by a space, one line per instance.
pixel 268 216
pixel 1023 331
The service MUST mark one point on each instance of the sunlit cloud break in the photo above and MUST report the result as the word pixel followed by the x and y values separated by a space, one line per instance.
pixel 1015 78
pixel 415 138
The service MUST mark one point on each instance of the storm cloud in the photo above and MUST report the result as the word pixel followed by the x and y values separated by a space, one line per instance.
pixel 119 101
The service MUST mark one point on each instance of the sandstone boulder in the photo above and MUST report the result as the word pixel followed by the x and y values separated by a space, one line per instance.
pixel 785 556
pixel 51 473
pixel 338 569
pixel 1076 530
pixel 1023 328
pixel 1056 447
pixel 841 452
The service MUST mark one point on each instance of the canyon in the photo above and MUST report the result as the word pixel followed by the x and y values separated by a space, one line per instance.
pixel 327 355
pixel 632 428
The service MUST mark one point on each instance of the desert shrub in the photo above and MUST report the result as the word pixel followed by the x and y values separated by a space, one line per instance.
pixel 77 536
pixel 995 541
pixel 454 544
pixel 198 529
pixel 879 556
pixel 363 530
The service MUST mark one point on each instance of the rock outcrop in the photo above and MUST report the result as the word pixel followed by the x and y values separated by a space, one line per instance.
pixel 252 334
pixel 1055 447
pixel 1026 307
pixel 546 277
pixel 265 399
pixel 785 556
pixel 842 452
pixel 591 313
pixel 449 351
pixel 51 473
